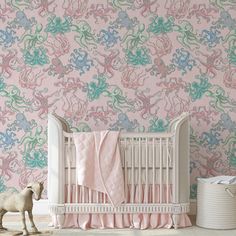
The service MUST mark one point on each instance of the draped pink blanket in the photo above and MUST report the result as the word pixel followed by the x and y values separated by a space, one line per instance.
pixel 99 165
pixel 135 220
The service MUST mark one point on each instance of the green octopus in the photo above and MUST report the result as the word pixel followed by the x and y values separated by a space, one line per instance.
pixel 197 90
pixel 20 3
pixel 81 127
pixel 14 101
pixel 2 185
pixel 139 57
pixel 159 26
pixel 57 26
pixel 134 39
pixel 193 191
pixel 85 36
pixel 32 141
pixel 230 38
pixel 35 158
pixel 2 86
pixel 34 38
pixel 158 125
pixel 118 100
pixel 187 37
pixel 220 100
pixel 94 90
pixel 118 4
pixel 232 54
pixel 223 3
pixel 36 56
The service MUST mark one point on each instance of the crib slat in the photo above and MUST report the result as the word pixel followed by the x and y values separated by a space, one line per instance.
pixel 146 165
pixel 76 184
pixel 167 170
pixel 132 171
pixel 160 170
pixel 68 156
pixel 153 170
pixel 126 172
pixel 139 170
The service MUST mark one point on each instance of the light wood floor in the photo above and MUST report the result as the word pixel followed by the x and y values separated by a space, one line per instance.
pixel 14 222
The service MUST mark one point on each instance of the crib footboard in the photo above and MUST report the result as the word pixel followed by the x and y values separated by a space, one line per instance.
pixel 155 167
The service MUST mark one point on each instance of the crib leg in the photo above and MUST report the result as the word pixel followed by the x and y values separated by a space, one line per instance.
pixel 53 222
pixel 175 218
pixel 60 220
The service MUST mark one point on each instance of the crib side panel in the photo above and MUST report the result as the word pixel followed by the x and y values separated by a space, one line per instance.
pixel 56 166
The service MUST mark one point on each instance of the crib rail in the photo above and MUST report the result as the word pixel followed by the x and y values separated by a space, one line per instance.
pixel 146 162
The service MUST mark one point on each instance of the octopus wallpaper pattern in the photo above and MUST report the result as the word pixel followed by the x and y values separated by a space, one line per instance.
pixel 129 65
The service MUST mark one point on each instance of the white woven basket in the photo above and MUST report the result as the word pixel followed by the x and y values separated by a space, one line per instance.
pixel 216 206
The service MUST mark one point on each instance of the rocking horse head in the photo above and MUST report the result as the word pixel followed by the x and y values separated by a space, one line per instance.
pixel 36 188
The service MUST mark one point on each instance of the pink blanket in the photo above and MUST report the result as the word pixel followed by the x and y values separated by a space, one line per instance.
pixel 99 165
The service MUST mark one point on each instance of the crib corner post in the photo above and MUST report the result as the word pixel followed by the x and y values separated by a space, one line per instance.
pixel 56 169
pixel 175 218
pixel 60 220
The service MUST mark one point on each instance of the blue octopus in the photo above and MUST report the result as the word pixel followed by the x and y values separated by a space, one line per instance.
pixel 21 20
pixel 7 139
pixel 226 21
pixel 7 37
pixel 21 123
pixel 123 21
pixel 226 123
pixel 79 60
pixel 123 123
pixel 210 139
pixel 210 37
pixel 108 37
pixel 182 60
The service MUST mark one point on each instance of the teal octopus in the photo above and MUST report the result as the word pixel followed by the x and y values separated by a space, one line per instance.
pixel 138 57
pixel 35 159
pixel 198 89
pixel 94 90
pixel 36 56
pixel 57 26
pixel 160 26
pixel 158 125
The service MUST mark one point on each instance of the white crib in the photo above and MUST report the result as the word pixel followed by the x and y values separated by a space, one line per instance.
pixel 148 159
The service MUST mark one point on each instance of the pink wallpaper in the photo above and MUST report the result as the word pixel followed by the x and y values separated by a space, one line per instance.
pixel 132 65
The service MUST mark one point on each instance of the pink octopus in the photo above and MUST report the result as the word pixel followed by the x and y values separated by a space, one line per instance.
pixel 131 79
pixel 99 113
pixel 28 79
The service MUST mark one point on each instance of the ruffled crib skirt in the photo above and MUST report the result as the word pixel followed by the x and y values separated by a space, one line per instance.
pixel 117 220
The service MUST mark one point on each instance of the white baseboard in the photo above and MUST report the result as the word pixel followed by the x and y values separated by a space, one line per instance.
pixel 41 207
